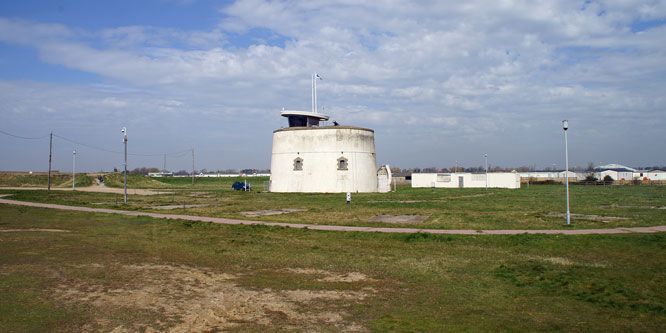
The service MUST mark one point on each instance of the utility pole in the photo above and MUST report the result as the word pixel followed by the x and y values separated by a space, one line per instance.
pixel 486 156
pixel 50 154
pixel 74 170
pixel 565 127
pixel 192 166
pixel 164 163
pixel 124 131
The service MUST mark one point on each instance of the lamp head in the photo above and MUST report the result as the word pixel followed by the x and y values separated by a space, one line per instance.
pixel 565 124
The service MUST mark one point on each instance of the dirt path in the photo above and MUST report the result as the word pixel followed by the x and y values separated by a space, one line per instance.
pixel 653 229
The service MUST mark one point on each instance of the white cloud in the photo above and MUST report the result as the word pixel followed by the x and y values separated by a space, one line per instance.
pixel 430 69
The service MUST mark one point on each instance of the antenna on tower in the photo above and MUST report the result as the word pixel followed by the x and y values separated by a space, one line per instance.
pixel 315 76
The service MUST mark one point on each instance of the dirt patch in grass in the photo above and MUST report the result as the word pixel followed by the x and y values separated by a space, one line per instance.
pixel 399 201
pixel 436 200
pixel 642 207
pixel 200 194
pixel 180 206
pixel 589 217
pixel 33 229
pixel 330 276
pixel 399 218
pixel 280 211
pixel 187 299
pixel 566 262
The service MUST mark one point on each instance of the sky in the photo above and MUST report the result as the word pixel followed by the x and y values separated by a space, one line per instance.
pixel 440 82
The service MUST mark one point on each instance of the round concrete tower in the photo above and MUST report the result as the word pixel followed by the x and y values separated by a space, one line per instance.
pixel 311 158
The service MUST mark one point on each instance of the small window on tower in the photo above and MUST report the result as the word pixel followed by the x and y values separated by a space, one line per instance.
pixel 342 163
pixel 298 164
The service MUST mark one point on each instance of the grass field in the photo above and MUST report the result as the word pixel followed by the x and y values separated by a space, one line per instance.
pixel 526 208
pixel 106 272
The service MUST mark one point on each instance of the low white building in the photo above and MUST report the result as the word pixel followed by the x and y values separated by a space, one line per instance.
pixel 616 174
pixel 650 175
pixel 466 180
pixel 552 175
pixel 539 175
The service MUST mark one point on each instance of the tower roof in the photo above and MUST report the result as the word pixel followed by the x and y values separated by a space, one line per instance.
pixel 303 118
pixel 288 113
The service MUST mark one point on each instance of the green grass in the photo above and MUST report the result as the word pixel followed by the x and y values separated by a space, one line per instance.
pixel 416 282
pixel 474 209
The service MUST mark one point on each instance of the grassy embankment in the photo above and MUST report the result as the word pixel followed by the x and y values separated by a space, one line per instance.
pixel 526 208
pixel 41 180
pixel 121 272
pixel 184 183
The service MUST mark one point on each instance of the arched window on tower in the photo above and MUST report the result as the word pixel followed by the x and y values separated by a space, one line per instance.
pixel 342 163
pixel 298 164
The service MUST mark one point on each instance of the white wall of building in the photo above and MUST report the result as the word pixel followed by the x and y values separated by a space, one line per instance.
pixel 320 150
pixel 544 175
pixel 563 174
pixel 466 180
pixel 650 175
pixel 539 174
pixel 384 179
pixel 616 175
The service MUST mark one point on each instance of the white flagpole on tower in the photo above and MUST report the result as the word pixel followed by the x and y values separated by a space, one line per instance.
pixel 316 76
pixel 312 87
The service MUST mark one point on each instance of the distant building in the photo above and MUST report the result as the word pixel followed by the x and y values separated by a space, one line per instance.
pixel 618 173
pixel 231 175
pixel 466 180
pixel 614 166
pixel 656 175
pixel 161 174
pixel 554 175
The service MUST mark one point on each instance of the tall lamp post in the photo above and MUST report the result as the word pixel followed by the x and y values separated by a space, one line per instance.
pixel 74 170
pixel 124 131
pixel 565 126
pixel 486 156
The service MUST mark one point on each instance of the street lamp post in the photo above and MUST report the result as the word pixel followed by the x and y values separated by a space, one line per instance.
pixel 124 131
pixel 565 126
pixel 74 170
pixel 486 156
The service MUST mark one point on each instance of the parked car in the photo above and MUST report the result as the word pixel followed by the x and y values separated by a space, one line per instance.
pixel 241 186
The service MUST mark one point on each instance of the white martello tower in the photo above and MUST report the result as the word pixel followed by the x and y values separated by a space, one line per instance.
pixel 308 157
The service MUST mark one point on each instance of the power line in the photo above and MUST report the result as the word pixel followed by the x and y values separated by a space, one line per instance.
pixel 182 152
pixel 23 137
pixel 86 145
pixel 175 154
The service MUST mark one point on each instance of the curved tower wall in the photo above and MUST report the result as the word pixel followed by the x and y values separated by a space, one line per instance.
pixel 329 159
